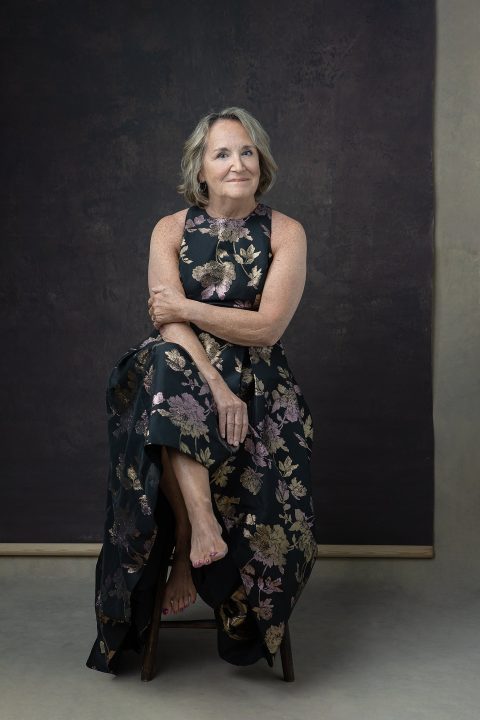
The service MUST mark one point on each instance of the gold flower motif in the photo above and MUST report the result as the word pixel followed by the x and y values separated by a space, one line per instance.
pixel 270 544
pixel 230 230
pixel 175 359
pixel 261 352
pixel 251 480
pixel 274 636
pixel 226 505
pixel 306 541
pixel 211 346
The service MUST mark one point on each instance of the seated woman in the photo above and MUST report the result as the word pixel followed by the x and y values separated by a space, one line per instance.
pixel 210 435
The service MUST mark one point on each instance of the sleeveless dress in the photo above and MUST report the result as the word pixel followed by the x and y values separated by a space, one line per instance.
pixel 260 489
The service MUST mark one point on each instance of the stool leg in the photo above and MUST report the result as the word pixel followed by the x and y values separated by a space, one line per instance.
pixel 286 655
pixel 150 652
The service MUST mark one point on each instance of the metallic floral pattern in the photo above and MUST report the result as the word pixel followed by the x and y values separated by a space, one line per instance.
pixel 261 491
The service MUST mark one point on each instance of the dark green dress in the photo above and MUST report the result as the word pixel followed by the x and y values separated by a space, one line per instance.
pixel 261 489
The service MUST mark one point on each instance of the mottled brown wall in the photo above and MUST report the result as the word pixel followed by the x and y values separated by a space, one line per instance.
pixel 98 99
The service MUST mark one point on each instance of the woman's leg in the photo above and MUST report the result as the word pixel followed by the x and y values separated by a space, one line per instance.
pixel 180 590
pixel 174 496
pixel 207 544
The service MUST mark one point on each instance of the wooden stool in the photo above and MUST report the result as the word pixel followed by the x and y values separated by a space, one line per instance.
pixel 150 651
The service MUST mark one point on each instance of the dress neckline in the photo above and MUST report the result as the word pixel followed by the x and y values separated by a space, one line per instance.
pixel 232 219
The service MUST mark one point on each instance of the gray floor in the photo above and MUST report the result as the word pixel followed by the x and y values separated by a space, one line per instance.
pixel 372 639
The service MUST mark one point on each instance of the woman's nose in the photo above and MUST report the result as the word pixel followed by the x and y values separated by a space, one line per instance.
pixel 237 162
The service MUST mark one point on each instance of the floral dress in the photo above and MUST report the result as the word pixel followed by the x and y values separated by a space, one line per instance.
pixel 260 489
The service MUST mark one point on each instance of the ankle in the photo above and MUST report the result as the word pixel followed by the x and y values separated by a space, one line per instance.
pixel 204 517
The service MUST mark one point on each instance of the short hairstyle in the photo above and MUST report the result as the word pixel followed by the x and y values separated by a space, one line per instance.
pixel 194 150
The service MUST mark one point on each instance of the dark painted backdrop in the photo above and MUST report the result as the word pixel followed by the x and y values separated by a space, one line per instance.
pixel 98 100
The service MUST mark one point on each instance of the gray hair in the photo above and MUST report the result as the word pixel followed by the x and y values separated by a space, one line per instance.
pixel 194 149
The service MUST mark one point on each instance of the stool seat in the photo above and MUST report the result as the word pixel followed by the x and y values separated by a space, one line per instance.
pixel 150 652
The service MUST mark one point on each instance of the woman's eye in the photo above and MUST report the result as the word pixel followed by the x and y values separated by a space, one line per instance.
pixel 222 154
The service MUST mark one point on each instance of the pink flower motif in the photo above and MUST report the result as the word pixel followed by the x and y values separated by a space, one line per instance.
pixel 270 431
pixel 188 414
pixel 288 400
pixel 215 277
pixel 257 450
pixel 247 581
pixel 220 289
pixel 270 586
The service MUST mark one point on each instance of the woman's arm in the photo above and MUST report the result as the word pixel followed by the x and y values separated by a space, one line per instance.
pixel 281 296
pixel 163 268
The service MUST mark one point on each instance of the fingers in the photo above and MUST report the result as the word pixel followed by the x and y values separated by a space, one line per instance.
pixel 152 313
pixel 233 422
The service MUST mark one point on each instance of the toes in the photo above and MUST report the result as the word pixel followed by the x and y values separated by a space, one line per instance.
pixel 206 561
pixel 219 555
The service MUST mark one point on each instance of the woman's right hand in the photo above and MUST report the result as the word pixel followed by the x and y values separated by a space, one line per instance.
pixel 232 412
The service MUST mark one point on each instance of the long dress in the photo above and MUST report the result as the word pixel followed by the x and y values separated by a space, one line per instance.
pixel 260 489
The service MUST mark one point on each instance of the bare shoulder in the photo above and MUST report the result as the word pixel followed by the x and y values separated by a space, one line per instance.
pixel 286 229
pixel 169 228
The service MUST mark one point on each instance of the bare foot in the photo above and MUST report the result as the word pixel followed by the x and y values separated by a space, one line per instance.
pixel 180 591
pixel 207 544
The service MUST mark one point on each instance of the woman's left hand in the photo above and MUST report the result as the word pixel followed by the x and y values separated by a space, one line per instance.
pixel 166 304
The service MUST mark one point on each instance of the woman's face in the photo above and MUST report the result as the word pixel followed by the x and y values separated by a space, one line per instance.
pixel 230 164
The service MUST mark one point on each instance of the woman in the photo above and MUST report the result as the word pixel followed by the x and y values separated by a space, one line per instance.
pixel 210 435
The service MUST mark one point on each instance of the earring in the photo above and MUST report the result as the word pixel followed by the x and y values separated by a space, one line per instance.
pixel 202 187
